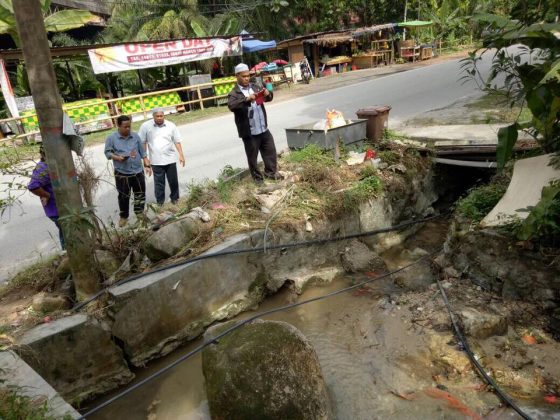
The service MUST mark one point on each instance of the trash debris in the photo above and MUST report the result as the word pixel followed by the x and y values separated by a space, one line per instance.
pixel 355 158
pixel 308 226
pixel 529 339
pixel 265 210
pixel 409 397
pixel 217 206
pixel 335 119
pixel 198 213
pixel 451 401
pixel 551 399
pixel 370 154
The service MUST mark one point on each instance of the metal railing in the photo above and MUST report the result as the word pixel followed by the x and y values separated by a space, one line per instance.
pixel 114 112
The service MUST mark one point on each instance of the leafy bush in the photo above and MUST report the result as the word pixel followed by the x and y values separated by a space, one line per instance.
pixel 543 223
pixel 311 154
pixel 481 200
pixel 364 190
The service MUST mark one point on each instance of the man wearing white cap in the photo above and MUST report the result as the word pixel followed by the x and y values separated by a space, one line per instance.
pixel 246 102
pixel 160 139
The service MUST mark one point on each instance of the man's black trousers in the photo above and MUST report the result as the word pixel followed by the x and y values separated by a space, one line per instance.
pixel 263 143
pixel 128 185
pixel 160 173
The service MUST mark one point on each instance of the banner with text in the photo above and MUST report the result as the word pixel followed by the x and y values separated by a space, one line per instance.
pixel 156 54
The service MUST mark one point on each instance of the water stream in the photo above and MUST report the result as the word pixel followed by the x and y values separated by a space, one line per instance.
pixel 372 357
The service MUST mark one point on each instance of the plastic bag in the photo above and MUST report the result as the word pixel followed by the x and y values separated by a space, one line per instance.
pixel 335 119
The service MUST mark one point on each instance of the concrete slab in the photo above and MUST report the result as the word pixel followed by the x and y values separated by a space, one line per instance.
pixel 155 314
pixel 457 135
pixel 528 179
pixel 18 374
pixel 76 356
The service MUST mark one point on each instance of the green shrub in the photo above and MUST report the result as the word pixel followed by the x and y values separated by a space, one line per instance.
pixel 543 223
pixel 481 200
pixel 364 190
pixel 311 154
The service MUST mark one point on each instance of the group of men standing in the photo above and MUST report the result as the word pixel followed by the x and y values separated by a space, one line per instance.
pixel 153 150
pixel 156 149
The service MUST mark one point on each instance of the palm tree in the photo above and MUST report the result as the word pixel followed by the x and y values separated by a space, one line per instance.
pixel 142 20
pixel 60 21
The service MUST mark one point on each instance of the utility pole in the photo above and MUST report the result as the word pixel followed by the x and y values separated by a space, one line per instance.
pixel 48 105
pixel 405 10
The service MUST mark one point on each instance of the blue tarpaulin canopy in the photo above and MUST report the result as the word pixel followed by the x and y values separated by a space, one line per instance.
pixel 251 44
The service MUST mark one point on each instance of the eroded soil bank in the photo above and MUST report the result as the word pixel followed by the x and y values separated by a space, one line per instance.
pixel 388 351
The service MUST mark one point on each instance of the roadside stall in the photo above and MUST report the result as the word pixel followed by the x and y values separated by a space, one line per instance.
pixel 301 52
pixel 414 48
pixel 334 52
pixel 374 46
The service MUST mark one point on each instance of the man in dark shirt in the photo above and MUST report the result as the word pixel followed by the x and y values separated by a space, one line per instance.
pixel 127 152
pixel 246 101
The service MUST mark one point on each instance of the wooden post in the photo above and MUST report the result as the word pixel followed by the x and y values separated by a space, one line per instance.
pixel 143 105
pixel 48 105
pixel 200 101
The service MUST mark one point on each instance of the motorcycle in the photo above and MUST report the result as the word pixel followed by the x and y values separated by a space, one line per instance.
pixel 305 72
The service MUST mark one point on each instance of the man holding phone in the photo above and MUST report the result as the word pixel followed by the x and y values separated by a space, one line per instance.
pixel 246 101
pixel 129 158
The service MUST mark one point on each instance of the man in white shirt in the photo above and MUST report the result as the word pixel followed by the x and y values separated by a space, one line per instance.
pixel 162 140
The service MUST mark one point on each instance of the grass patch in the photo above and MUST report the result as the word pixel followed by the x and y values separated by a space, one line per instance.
pixel 480 200
pixel 37 276
pixel 15 406
pixel 311 154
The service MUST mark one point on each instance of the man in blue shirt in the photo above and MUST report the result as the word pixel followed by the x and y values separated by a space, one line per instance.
pixel 127 152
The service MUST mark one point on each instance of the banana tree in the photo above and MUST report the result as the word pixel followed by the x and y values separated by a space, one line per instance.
pixel 60 21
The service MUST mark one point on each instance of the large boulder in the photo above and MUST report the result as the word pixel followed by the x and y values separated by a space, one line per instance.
pixel 171 238
pixel 264 370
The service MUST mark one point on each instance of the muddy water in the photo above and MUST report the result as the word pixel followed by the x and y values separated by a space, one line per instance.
pixel 374 360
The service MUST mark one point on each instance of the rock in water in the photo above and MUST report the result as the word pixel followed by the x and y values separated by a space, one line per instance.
pixel 358 257
pixel 264 370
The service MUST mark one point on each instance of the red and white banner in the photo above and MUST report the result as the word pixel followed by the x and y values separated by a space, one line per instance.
pixel 156 54
pixel 7 90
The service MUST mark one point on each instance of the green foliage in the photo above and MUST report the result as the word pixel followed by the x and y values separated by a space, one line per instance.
pixel 36 276
pixel 16 406
pixel 140 20
pixel 530 73
pixel 60 21
pixel 543 223
pixel 390 157
pixel 362 191
pixel 481 200
pixel 196 192
pixel 311 154
pixel 389 134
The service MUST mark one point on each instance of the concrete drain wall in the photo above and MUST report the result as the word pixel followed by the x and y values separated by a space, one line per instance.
pixel 149 317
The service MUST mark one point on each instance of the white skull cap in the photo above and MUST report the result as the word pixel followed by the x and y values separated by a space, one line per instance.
pixel 241 67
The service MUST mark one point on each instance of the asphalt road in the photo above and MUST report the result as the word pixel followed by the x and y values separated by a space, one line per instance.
pixel 209 145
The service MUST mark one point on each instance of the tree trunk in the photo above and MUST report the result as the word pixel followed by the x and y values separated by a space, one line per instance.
pixel 48 105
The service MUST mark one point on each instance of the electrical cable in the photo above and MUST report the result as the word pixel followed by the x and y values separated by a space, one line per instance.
pixel 241 323
pixel 461 337
pixel 259 249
